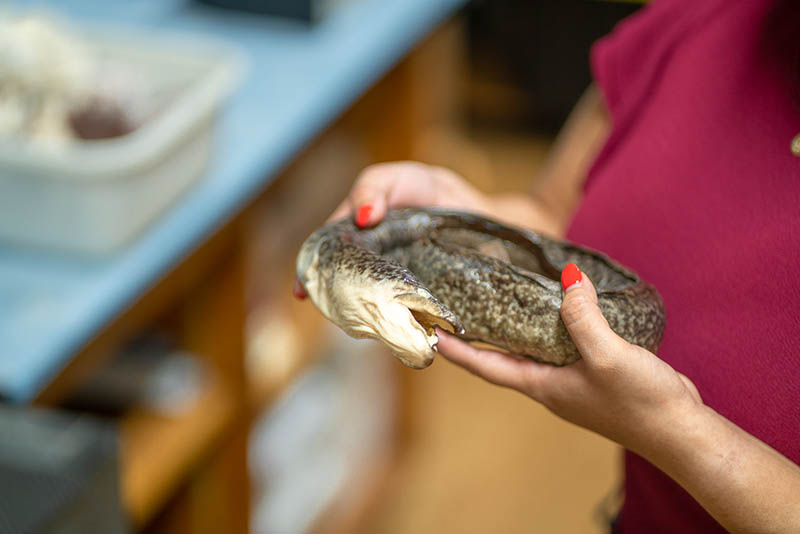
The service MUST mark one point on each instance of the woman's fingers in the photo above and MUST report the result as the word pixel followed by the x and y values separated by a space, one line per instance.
pixel 584 321
pixel 500 369
pixel 385 185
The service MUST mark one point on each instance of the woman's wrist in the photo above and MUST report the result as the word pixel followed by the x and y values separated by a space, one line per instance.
pixel 454 191
pixel 518 209
pixel 745 484
pixel 700 450
pixel 671 433
pixel 526 211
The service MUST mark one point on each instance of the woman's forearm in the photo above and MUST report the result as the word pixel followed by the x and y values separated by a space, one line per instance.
pixel 526 211
pixel 742 482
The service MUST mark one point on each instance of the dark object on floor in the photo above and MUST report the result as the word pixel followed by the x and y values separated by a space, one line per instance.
pixel 149 372
pixel 59 474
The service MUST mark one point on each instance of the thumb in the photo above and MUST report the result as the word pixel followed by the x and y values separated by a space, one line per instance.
pixel 582 316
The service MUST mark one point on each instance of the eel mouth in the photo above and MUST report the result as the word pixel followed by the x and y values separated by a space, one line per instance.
pixel 401 316
pixel 429 322
pixel 407 324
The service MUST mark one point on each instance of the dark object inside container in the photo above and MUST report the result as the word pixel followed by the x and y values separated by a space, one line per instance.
pixel 101 118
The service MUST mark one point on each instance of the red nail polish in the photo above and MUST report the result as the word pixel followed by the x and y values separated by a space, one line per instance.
pixel 298 290
pixel 363 215
pixel 570 276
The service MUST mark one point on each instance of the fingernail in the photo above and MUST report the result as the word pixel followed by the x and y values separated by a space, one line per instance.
pixel 298 290
pixel 363 215
pixel 571 277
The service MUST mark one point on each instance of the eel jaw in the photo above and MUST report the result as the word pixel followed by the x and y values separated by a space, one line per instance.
pixel 401 315
pixel 426 314
pixel 404 321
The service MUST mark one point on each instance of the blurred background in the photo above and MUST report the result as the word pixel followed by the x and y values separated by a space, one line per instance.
pixel 160 163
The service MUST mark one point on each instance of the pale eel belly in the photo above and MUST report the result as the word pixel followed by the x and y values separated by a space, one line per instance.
pixel 479 279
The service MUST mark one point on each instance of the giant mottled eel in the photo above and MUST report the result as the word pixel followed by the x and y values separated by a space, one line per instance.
pixel 477 278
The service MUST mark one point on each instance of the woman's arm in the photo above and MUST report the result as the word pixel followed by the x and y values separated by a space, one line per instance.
pixel 629 395
pixel 744 483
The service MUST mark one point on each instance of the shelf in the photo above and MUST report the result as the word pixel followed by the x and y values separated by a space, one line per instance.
pixel 276 365
pixel 159 452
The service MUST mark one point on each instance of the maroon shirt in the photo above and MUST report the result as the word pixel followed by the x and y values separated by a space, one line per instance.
pixel 697 190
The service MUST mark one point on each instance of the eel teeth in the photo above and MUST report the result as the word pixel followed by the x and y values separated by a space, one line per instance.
pixel 429 312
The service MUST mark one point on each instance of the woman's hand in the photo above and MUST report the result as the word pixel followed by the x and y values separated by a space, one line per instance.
pixel 410 183
pixel 629 395
pixel 405 184
pixel 617 389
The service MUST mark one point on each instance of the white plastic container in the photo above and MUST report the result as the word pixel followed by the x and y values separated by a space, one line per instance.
pixel 94 196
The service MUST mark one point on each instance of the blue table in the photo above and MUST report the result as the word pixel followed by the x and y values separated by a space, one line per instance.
pixel 298 81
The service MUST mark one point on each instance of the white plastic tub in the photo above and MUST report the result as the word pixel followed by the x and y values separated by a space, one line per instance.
pixel 94 196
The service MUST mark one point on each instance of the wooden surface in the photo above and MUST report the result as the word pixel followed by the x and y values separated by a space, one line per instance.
pixel 478 458
pixel 159 451
pixel 148 309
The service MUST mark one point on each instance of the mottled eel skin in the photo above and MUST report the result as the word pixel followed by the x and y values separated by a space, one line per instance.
pixel 482 280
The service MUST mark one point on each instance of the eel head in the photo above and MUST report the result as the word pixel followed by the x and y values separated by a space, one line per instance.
pixel 396 310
